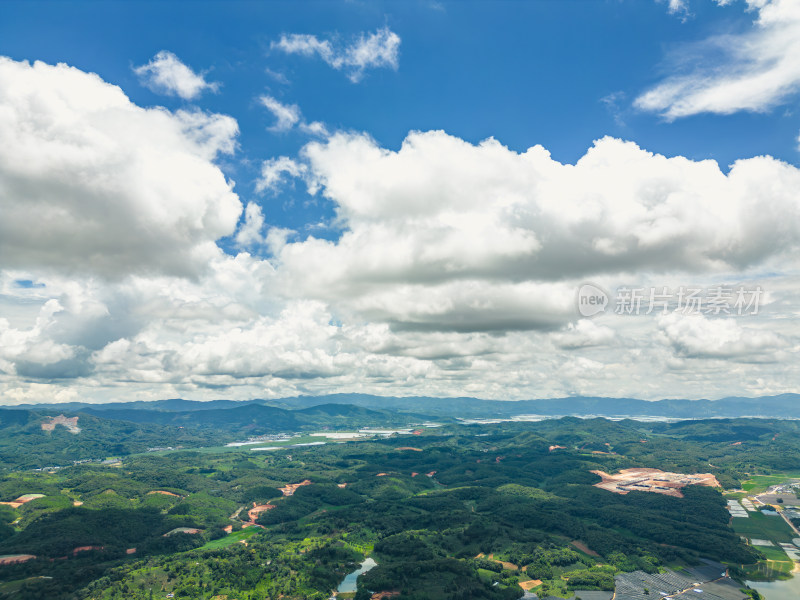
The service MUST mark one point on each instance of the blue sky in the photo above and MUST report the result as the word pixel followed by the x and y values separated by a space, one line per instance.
pixel 179 239
pixel 525 73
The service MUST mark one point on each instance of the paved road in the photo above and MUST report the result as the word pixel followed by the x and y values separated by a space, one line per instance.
pixel 789 522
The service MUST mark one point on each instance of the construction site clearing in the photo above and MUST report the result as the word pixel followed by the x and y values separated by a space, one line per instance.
pixel 652 480
pixel 291 488
pixel 71 423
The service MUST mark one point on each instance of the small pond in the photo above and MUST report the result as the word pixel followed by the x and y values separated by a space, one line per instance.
pixel 788 589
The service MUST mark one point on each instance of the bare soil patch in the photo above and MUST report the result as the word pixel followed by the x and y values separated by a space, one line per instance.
pixel 291 488
pixel 583 548
pixel 529 585
pixel 257 510
pixel 22 500
pixel 14 559
pixel 165 493
pixel 652 480
pixel 71 423
pixel 85 549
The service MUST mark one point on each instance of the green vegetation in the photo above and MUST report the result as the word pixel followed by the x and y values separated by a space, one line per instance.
pixel 25 445
pixel 235 537
pixel 767 570
pixel 116 432
pixel 463 516
pixel 763 527
pixel 758 484
pixel 776 564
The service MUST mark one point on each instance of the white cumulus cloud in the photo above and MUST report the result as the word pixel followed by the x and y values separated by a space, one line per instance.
pixel 456 269
pixel 251 232
pixel 441 209
pixel 696 336
pixel 446 234
pixel 90 182
pixel 582 334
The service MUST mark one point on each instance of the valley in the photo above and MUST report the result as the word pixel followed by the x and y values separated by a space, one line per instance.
pixel 448 510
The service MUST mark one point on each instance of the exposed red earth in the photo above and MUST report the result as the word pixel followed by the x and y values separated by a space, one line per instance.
pixel 189 530
pixel 291 488
pixel 165 493
pixel 257 510
pixel 583 548
pixel 15 559
pixel 22 500
pixel 71 423
pixel 529 585
pixel 85 549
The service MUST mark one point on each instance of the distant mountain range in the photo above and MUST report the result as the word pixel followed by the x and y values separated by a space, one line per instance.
pixel 183 412
pixel 253 418
pixel 784 406
pixel 30 437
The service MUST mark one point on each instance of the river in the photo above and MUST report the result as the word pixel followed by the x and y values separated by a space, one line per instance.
pixel 349 583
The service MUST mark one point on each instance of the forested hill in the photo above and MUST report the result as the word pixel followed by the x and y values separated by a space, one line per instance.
pixel 119 429
pixel 258 419
pixel 437 511
pixel 33 439
pixel 782 406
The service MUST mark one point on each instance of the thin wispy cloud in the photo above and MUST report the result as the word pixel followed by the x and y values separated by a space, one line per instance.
pixel 277 76
pixel 275 170
pixel 287 116
pixel 754 71
pixel 679 8
pixel 166 74
pixel 379 49
pixel 612 103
